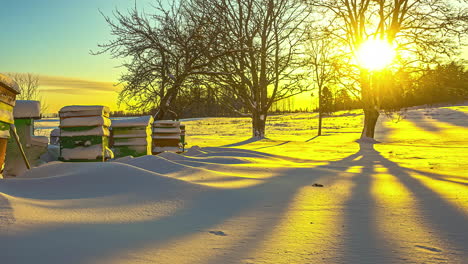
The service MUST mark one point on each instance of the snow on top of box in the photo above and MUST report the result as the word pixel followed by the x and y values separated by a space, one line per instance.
pixel 85 121
pixel 27 109
pixel 133 121
pixel 90 153
pixel 78 108
pixel 9 83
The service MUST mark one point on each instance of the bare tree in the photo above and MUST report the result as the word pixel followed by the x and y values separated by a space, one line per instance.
pixel 165 51
pixel 423 30
pixel 266 36
pixel 29 85
pixel 323 56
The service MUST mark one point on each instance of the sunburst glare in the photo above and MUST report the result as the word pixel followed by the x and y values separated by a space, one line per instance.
pixel 375 54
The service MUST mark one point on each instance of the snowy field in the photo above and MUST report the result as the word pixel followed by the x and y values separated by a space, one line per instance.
pixel 234 200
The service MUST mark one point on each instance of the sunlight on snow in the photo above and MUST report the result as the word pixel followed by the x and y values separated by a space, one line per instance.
pixel 400 220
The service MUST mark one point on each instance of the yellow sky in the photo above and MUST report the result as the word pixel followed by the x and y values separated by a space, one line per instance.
pixel 61 91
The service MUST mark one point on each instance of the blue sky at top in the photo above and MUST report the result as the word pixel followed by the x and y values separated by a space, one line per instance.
pixel 54 37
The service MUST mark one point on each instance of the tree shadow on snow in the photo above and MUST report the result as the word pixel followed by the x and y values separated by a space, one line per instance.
pixel 245 142
pixel 85 242
pixel 361 240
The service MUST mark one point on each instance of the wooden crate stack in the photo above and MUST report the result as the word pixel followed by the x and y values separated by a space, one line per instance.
pixel 84 133
pixel 25 113
pixel 9 89
pixel 166 136
pixel 132 136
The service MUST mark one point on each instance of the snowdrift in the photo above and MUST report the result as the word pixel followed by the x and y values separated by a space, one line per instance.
pixel 292 198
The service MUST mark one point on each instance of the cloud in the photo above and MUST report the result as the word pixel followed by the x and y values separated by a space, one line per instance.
pixel 74 85
pixel 73 91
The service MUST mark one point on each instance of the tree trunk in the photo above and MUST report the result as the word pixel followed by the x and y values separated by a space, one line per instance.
pixel 258 125
pixel 371 103
pixel 370 120
pixel 319 133
pixel 165 104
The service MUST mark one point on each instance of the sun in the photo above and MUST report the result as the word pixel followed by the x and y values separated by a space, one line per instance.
pixel 375 54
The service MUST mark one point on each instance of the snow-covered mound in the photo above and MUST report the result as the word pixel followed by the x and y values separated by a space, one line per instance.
pixel 27 109
pixel 291 198
pixel 79 181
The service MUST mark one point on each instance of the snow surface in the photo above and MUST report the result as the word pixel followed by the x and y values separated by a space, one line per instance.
pixel 84 110
pixel 79 108
pixel 88 152
pixel 10 83
pixel 85 121
pixel 402 199
pixel 142 121
pixel 27 109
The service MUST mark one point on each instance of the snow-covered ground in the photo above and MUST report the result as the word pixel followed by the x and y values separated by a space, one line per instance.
pixel 234 200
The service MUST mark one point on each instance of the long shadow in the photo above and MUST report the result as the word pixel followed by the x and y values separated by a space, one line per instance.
pixel 430 200
pixel 360 230
pixel 417 118
pixel 277 145
pixel 361 233
pixel 241 143
pixel 78 240
pixel 312 138
pixel 435 209
pixel 456 118
pixel 363 241
pixel 439 177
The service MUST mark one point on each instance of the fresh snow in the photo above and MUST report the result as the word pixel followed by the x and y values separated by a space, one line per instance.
pixel 85 121
pixel 142 121
pixel 79 108
pixel 27 109
pixel 87 152
pixel 401 198
pixel 84 110
pixel 10 83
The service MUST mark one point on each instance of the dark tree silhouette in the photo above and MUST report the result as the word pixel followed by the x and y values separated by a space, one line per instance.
pixel 265 69
pixel 424 30
pixel 165 51
pixel 323 54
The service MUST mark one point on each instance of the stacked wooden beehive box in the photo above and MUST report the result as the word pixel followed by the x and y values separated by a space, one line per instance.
pixel 84 133
pixel 132 136
pixel 8 91
pixel 166 136
pixel 25 113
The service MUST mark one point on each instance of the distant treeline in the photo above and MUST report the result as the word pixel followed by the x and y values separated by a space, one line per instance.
pixel 446 83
